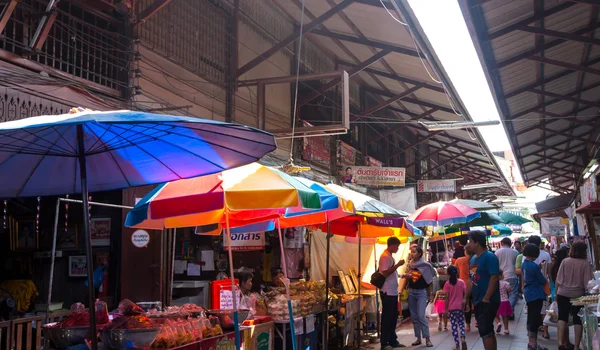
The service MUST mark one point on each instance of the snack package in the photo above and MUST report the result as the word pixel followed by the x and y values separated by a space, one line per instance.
pixel 129 308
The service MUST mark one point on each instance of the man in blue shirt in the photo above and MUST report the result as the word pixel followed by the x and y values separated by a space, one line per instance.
pixel 534 293
pixel 484 286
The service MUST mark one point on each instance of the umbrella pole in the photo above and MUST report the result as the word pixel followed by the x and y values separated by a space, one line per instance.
pixel 328 237
pixel 236 323
pixel 52 260
pixel 287 288
pixel 377 292
pixel 86 236
pixel 359 277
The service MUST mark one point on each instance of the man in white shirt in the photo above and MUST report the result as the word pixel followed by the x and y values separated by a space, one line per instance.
pixel 507 257
pixel 389 295
pixel 544 255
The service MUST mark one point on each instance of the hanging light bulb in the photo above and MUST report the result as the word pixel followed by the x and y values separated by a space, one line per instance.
pixel 5 207
pixel 67 215
pixel 37 217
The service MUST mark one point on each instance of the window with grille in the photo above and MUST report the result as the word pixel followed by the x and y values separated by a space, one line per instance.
pixel 80 42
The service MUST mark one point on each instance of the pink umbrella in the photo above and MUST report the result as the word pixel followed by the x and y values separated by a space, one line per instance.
pixel 442 214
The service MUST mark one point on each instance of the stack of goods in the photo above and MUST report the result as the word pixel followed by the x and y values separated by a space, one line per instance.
pixel 305 296
pixel 278 308
pixel 178 311
pixel 181 332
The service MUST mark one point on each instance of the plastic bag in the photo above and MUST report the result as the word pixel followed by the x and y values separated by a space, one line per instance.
pixel 596 340
pixel 430 311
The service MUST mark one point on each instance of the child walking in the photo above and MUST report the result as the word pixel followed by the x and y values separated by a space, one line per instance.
pixel 439 303
pixel 455 290
pixel 505 310
pixel 534 294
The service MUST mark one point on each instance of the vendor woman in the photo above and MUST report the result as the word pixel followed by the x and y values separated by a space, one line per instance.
pixel 246 298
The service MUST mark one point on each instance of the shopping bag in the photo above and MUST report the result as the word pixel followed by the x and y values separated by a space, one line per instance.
pixel 404 295
pixel 547 288
pixel 430 311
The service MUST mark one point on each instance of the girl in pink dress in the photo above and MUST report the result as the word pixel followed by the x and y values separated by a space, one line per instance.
pixel 439 306
pixel 505 310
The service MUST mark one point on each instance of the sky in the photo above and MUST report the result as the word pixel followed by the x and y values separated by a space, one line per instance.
pixel 445 27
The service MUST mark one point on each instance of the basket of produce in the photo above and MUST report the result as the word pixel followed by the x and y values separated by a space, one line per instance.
pixel 225 317
pixel 65 337
pixel 132 330
pixel 129 332
pixel 72 330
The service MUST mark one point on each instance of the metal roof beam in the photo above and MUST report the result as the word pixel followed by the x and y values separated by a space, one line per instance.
pixel 7 11
pixel 526 21
pixel 367 42
pixel 556 160
pixel 549 79
pixel 558 117
pixel 565 97
pixel 534 142
pixel 561 35
pixel 570 66
pixel 333 82
pixel 387 75
pixel 587 2
pixel 399 127
pixel 429 171
pixel 552 101
pixel 294 36
pixel 387 102
pixel 430 136
pixel 538 49
pixel 151 10
pixel 410 100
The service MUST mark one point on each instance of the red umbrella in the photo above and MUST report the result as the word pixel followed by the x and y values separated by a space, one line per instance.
pixel 442 214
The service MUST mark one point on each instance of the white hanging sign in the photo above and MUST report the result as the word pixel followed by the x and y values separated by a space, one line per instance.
pixel 140 238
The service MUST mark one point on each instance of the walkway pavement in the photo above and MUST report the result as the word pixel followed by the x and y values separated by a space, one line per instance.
pixel 517 340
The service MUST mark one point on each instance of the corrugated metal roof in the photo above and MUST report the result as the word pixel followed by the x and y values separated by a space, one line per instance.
pixel 531 132
pixel 361 22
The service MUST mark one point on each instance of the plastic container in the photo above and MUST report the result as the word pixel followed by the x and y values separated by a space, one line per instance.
pixel 101 312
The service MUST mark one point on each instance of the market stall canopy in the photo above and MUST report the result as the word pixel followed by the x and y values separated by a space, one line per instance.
pixel 442 214
pixel 502 230
pixel 485 219
pixel 365 205
pixel 477 205
pixel 332 208
pixel 39 155
pixel 512 219
pixel 248 194
pixel 99 151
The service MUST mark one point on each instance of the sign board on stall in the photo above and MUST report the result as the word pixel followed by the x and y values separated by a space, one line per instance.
pixel 588 191
pixel 221 342
pixel 436 186
pixel 375 176
pixel 226 299
pixel 553 226
pixel 246 241
pixel 140 238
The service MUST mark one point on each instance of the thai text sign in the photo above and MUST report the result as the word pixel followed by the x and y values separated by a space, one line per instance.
pixel 376 176
pixel 436 186
pixel 245 241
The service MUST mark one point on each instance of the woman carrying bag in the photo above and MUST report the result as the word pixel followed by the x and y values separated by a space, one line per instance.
pixel 420 292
